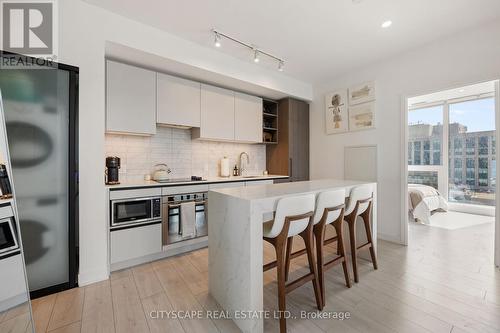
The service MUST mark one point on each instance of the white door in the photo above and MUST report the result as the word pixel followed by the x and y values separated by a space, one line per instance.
pixel 497 212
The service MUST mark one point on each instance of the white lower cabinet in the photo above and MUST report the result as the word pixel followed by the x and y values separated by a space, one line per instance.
pixel 132 243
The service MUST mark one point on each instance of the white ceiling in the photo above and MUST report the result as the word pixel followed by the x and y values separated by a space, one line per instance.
pixel 470 91
pixel 318 39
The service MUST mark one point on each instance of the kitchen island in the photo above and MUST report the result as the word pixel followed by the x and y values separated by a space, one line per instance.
pixel 235 245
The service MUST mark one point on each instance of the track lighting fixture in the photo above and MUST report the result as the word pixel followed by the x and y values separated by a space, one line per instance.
pixel 217 39
pixel 257 53
pixel 256 56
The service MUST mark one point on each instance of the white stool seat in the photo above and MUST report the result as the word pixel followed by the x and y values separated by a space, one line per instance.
pixel 361 192
pixel 287 207
pixel 329 199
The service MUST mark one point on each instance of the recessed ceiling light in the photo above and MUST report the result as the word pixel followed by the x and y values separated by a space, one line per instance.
pixel 387 24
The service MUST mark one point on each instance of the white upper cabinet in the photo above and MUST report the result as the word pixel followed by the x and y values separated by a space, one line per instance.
pixel 217 114
pixel 247 118
pixel 130 99
pixel 178 101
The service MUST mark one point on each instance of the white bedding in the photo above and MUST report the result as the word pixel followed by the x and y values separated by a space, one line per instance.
pixel 423 200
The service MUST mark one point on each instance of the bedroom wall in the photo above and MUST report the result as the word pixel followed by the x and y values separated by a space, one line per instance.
pixel 469 57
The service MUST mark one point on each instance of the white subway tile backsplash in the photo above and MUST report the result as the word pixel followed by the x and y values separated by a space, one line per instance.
pixel 185 157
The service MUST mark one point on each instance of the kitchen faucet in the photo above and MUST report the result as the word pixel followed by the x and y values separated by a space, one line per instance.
pixel 243 169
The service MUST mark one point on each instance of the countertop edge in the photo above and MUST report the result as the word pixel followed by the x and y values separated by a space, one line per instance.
pixel 149 184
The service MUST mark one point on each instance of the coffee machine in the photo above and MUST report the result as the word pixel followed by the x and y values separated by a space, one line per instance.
pixel 112 170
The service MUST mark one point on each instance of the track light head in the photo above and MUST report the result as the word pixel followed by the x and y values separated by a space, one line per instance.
pixel 217 39
pixel 256 56
pixel 281 64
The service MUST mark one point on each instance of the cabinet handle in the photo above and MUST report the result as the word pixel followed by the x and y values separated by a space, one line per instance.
pixel 290 169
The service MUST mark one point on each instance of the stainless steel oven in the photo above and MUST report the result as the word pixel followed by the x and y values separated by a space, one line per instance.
pixel 127 213
pixel 8 238
pixel 174 225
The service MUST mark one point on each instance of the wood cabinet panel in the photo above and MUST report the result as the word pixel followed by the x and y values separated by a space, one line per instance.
pixel 291 155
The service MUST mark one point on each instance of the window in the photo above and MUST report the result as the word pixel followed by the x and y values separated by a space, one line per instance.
pixel 457 172
pixel 472 132
pixel 426 133
pixel 470 146
pixel 457 146
pixel 416 153
pixel 482 171
pixel 483 145
pixel 470 172
pixel 436 152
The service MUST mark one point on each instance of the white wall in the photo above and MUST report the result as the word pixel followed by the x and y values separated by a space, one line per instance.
pixel 184 156
pixel 469 57
pixel 83 32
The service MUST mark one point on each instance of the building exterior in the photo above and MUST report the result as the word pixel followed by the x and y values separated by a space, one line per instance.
pixel 472 163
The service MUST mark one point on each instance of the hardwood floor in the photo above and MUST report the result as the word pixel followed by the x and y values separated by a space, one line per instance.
pixel 443 282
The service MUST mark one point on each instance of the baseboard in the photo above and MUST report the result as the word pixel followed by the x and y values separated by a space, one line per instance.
pixel 390 238
pixel 92 276
pixel 12 302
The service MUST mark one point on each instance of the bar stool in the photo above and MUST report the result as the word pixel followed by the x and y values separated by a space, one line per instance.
pixel 360 204
pixel 293 216
pixel 329 211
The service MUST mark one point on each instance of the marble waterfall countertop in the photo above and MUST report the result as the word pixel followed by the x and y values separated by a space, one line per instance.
pixel 235 245
pixel 287 189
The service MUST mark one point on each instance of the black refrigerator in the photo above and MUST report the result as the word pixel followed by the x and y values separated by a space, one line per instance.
pixel 41 112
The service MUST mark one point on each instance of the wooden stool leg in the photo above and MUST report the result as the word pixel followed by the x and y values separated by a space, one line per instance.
pixel 289 245
pixel 319 234
pixel 307 235
pixel 280 261
pixel 354 249
pixel 341 252
pixel 366 220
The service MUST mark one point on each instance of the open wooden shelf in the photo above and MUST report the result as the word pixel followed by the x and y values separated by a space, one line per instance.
pixel 269 121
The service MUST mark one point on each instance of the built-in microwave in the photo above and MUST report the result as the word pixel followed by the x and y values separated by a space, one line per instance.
pixel 127 213
pixel 8 238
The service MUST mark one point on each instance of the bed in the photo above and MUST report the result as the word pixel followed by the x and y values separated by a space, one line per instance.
pixel 423 200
